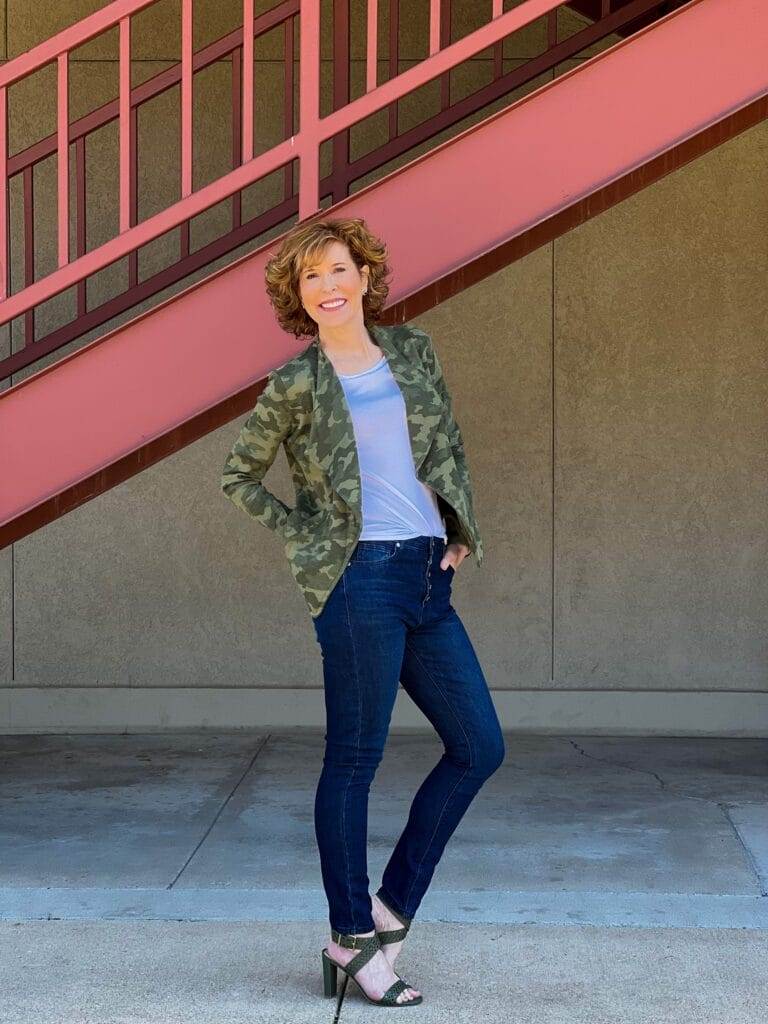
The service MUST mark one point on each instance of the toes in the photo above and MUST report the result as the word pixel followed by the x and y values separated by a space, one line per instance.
pixel 408 994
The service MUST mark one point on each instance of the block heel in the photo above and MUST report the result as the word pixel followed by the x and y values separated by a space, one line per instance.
pixel 330 975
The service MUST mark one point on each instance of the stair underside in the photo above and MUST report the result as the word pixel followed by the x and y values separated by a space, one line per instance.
pixel 526 175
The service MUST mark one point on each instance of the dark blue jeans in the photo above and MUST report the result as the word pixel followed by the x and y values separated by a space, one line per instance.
pixel 389 619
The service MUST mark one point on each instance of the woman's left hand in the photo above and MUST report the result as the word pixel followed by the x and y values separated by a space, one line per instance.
pixel 454 555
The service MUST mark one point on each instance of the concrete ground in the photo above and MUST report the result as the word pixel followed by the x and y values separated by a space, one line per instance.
pixel 174 878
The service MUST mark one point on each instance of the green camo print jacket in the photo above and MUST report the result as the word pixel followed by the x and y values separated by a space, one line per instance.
pixel 303 407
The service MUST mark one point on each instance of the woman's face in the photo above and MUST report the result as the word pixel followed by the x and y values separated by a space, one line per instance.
pixel 334 277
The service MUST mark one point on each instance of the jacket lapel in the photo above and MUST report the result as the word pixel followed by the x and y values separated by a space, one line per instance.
pixel 423 405
pixel 332 437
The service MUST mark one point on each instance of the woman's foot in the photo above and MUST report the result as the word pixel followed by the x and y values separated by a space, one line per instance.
pixel 386 921
pixel 377 975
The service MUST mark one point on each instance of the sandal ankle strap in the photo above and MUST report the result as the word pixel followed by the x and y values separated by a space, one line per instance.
pixel 354 941
pixel 405 921
pixel 396 935
pixel 368 945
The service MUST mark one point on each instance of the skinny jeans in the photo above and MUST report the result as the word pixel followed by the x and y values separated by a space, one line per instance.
pixel 389 619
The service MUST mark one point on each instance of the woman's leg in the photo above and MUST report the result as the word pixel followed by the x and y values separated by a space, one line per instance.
pixel 444 678
pixel 362 641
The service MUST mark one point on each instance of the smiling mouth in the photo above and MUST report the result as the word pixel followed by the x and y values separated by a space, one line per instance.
pixel 337 304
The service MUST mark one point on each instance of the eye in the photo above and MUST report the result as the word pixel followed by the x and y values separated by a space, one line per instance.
pixel 312 273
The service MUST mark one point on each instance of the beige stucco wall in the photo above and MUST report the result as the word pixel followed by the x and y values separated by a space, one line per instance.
pixel 611 388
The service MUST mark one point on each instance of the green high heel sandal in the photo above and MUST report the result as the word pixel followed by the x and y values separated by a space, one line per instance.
pixel 396 934
pixel 369 947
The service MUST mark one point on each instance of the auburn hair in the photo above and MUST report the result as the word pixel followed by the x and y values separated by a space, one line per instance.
pixel 304 245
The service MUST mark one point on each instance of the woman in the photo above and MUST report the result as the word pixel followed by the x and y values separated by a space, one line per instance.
pixel 383 519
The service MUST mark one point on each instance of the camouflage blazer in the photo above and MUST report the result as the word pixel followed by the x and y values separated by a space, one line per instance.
pixel 303 407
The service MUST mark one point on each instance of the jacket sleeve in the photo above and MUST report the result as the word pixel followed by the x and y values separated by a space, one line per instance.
pixel 432 362
pixel 253 453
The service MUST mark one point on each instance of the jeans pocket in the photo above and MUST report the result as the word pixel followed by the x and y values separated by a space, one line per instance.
pixel 372 551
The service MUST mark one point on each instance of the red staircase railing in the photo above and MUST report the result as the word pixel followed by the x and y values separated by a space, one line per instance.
pixel 540 166
pixel 614 16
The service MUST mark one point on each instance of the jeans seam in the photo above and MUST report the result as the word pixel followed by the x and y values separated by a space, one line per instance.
pixel 357 758
pixel 458 781
pixel 448 704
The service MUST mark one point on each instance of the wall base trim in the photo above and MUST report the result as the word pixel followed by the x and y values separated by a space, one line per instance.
pixel 93 709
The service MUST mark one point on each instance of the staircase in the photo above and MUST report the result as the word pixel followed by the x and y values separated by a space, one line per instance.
pixel 680 80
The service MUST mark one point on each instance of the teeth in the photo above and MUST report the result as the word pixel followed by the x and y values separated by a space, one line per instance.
pixel 332 305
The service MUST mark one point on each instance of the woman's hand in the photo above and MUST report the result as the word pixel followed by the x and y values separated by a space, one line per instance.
pixel 454 555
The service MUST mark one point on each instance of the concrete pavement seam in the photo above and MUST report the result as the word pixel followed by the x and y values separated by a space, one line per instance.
pixel 220 811
pixel 747 852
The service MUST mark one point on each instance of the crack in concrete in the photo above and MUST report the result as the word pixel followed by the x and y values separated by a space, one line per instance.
pixel 340 997
pixel 720 804
pixel 643 771
pixel 629 768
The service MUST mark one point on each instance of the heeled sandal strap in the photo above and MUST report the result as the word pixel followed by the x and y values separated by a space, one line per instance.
pixel 405 921
pixel 390 996
pixel 368 946
pixel 396 935
pixel 352 941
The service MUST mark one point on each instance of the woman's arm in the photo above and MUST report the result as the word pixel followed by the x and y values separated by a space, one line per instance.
pixel 254 452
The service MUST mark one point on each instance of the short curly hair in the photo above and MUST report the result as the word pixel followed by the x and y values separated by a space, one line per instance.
pixel 305 243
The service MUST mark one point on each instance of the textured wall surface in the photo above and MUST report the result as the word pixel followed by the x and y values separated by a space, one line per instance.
pixel 611 388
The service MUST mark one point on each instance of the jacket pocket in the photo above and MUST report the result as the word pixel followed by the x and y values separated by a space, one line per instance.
pixel 300 521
